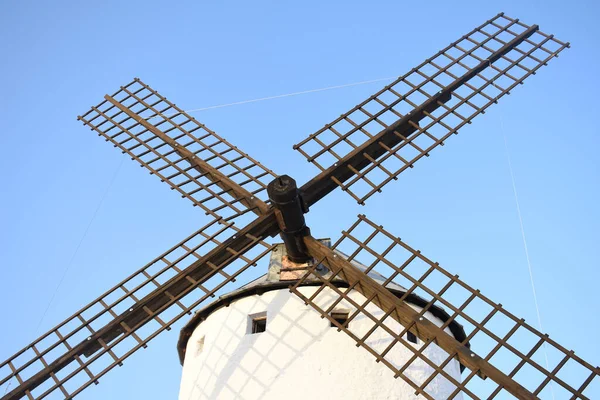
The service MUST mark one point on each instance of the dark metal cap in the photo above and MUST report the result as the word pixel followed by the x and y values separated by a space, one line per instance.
pixel 282 189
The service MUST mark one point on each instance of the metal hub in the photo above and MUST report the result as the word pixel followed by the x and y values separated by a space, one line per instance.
pixel 290 209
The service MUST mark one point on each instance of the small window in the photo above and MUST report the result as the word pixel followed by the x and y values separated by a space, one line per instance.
pixel 259 324
pixel 411 337
pixel 341 317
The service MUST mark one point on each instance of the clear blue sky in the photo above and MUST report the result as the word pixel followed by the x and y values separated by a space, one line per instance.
pixel 59 58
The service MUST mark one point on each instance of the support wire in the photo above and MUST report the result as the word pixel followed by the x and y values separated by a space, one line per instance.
pixel 279 96
pixel 530 269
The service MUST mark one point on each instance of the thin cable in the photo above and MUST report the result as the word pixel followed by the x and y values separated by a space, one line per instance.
pixel 70 263
pixel 535 299
pixel 289 94
pixel 64 274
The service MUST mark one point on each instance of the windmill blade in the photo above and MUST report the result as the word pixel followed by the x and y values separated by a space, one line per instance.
pixel 505 356
pixel 374 142
pixel 193 160
pixel 80 350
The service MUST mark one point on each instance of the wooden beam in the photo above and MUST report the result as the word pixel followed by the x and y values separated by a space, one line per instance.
pixel 407 316
pixel 221 180
pixel 156 301
pixel 375 147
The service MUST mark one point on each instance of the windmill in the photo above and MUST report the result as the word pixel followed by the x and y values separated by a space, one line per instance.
pixel 360 152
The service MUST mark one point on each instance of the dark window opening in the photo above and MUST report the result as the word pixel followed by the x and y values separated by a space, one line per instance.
pixel 340 317
pixel 259 324
pixel 411 337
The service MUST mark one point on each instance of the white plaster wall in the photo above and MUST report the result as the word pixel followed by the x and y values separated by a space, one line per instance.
pixel 299 356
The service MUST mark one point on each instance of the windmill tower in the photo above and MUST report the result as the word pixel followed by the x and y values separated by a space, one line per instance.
pixel 260 340
pixel 416 319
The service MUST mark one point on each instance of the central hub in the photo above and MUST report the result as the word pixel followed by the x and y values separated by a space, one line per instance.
pixel 289 209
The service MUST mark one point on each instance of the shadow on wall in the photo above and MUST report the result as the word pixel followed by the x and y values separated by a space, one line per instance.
pixel 234 368
pixel 235 364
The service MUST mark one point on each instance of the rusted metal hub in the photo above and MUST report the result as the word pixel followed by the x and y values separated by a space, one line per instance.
pixel 290 209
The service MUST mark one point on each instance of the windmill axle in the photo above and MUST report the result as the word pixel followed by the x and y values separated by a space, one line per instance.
pixel 290 209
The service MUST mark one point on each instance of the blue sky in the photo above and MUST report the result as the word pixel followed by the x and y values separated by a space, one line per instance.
pixel 59 58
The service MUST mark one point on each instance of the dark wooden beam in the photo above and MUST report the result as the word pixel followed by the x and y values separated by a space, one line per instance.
pixel 372 149
pixel 152 304
pixel 221 180
pixel 408 317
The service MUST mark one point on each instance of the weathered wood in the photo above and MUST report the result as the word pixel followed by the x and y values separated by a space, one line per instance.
pixel 375 147
pixel 408 317
pixel 152 304
pixel 221 180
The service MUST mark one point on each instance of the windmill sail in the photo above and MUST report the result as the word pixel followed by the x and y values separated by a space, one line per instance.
pixel 370 145
pixel 84 347
pixel 498 347
pixel 193 160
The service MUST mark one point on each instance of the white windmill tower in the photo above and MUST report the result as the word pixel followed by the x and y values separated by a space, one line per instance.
pixel 266 339
pixel 263 342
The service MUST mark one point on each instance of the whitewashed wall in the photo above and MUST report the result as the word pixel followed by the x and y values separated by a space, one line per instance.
pixel 298 357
